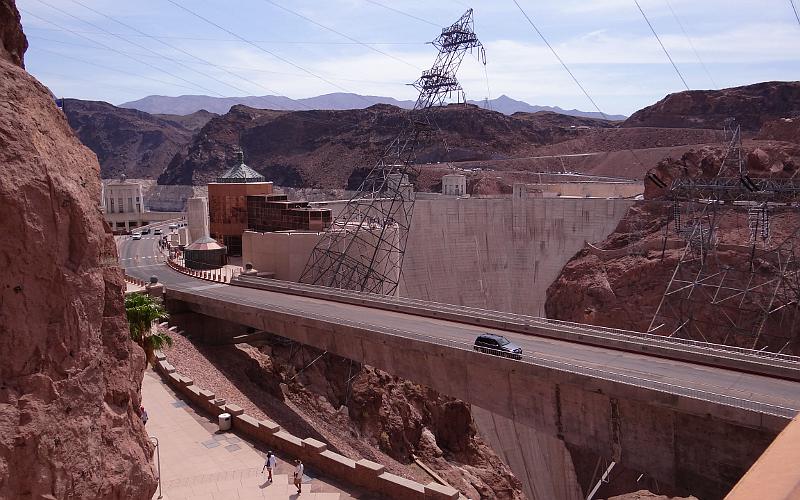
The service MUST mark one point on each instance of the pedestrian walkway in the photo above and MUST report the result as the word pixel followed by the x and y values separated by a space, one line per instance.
pixel 200 463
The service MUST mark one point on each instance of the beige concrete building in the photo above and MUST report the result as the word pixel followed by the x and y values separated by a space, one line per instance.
pixel 454 185
pixel 197 218
pixel 285 254
pixel 123 204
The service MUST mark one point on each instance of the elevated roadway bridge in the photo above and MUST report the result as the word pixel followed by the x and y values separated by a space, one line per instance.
pixel 692 415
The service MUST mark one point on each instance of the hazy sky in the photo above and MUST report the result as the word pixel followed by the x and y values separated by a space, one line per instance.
pixel 606 43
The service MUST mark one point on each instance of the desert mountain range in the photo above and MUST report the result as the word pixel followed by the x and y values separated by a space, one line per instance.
pixel 333 148
pixel 188 104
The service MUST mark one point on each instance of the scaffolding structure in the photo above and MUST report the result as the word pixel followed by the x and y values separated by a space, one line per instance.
pixel 364 247
pixel 736 282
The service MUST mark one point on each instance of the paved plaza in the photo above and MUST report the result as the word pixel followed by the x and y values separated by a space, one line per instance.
pixel 200 463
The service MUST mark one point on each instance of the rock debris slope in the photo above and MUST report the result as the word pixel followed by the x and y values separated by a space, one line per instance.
pixel 69 375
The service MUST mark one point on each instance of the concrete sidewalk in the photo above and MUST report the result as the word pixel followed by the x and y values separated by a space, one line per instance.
pixel 198 462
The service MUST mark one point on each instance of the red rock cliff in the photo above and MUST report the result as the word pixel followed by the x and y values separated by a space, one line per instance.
pixel 69 375
pixel 619 282
pixel 751 105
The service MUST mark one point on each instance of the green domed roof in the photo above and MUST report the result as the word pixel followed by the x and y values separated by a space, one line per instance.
pixel 240 173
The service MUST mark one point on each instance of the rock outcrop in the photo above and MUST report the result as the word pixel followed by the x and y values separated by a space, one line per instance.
pixel 193 122
pixel 126 141
pixel 781 129
pixel 750 105
pixel 12 40
pixel 69 375
pixel 647 495
pixel 619 282
pixel 323 148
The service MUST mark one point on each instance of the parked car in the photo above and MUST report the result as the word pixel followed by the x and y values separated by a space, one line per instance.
pixel 156 231
pixel 146 230
pixel 137 236
pixel 498 346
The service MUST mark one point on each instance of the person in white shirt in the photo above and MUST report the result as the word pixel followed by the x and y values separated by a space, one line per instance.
pixel 269 464
pixel 298 475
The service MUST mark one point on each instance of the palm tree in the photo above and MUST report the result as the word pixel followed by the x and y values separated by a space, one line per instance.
pixel 142 311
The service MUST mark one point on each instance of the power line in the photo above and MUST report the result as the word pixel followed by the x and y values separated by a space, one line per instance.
pixel 204 39
pixel 271 2
pixel 184 52
pixel 224 67
pixel 299 103
pixel 791 2
pixel 133 93
pixel 302 105
pixel 488 90
pixel 273 54
pixel 560 60
pixel 36 47
pixel 193 85
pixel 412 16
pixel 688 39
pixel 662 45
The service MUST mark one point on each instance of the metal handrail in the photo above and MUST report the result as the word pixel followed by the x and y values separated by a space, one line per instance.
pixel 158 456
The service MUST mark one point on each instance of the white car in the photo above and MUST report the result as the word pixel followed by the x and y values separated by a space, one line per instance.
pixel 137 236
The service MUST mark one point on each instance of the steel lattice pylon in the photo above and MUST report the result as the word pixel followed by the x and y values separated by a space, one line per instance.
pixel 364 246
pixel 734 282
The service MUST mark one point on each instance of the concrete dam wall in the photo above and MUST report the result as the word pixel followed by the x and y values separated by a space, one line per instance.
pixel 499 253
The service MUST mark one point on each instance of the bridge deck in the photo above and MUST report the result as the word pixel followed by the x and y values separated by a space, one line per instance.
pixel 714 384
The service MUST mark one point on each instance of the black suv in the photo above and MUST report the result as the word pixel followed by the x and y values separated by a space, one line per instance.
pixel 145 230
pixel 497 345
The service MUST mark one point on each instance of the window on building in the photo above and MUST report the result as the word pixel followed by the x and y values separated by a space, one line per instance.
pixel 130 204
pixel 121 208
pixel 111 204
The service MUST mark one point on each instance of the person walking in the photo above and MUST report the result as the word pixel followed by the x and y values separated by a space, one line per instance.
pixel 298 475
pixel 269 463
pixel 143 414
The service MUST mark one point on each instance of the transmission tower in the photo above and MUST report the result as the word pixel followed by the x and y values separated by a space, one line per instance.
pixel 735 283
pixel 364 246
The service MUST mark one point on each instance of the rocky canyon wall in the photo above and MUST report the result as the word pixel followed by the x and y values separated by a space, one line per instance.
pixel 69 375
